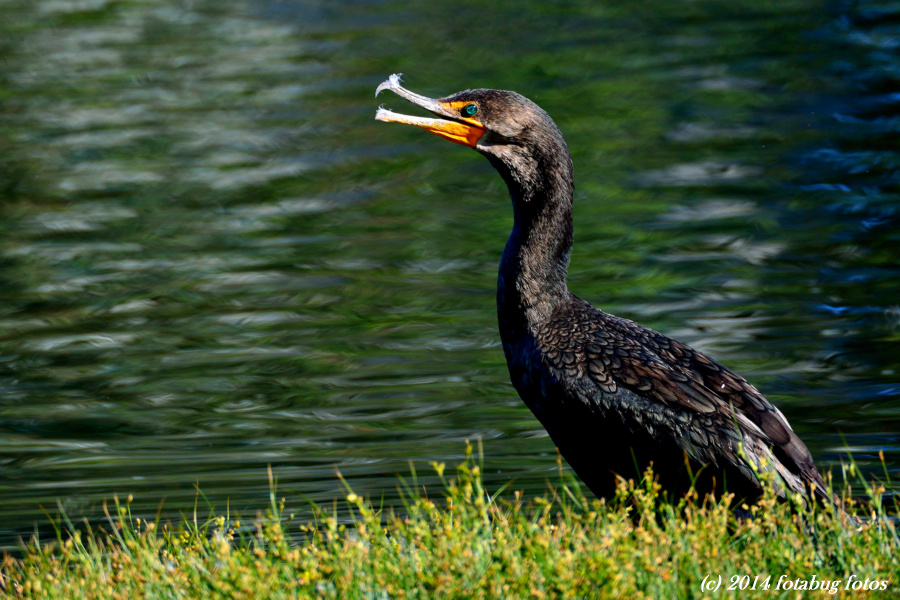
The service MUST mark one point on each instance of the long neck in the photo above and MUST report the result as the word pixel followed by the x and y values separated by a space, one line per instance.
pixel 532 279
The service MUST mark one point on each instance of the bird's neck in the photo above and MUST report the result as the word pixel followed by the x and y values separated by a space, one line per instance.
pixel 532 279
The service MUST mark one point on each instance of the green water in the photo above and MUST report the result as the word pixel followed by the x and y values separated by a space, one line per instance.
pixel 213 259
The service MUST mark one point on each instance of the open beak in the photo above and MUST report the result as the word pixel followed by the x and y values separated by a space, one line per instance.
pixel 462 130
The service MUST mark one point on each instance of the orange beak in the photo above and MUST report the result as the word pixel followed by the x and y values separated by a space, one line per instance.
pixel 462 130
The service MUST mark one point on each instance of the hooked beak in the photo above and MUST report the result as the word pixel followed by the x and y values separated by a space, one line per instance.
pixel 466 131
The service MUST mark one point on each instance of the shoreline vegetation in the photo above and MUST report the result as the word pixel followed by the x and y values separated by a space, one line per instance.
pixel 474 544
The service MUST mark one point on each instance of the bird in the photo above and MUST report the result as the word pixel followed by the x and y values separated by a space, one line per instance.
pixel 615 396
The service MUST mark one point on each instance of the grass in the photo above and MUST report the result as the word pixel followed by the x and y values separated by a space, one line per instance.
pixel 474 545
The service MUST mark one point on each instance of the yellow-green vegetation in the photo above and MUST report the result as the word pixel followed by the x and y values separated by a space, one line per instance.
pixel 470 544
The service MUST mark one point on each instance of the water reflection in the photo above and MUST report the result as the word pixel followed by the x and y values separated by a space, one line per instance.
pixel 214 260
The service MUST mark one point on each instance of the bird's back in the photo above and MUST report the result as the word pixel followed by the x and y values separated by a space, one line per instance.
pixel 615 396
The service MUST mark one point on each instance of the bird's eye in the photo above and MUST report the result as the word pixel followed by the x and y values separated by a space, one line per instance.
pixel 470 109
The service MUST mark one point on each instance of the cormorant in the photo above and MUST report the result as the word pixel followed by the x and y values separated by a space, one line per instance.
pixel 613 395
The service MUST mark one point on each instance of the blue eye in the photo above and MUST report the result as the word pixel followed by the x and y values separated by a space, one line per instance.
pixel 470 109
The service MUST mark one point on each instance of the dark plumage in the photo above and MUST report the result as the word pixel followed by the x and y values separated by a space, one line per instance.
pixel 613 394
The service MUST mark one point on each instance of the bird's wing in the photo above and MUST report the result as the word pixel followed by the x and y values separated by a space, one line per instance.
pixel 733 390
pixel 616 352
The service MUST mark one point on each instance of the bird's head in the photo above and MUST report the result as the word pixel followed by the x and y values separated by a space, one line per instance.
pixel 516 134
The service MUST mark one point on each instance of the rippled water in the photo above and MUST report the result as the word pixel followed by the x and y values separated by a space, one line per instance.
pixel 214 259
